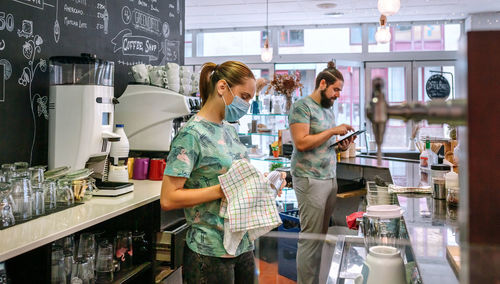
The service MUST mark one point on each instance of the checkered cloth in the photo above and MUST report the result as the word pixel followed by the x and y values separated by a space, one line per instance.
pixel 249 205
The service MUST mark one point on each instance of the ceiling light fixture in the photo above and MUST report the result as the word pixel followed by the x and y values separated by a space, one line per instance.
pixel 326 5
pixel 388 7
pixel 267 52
pixel 383 34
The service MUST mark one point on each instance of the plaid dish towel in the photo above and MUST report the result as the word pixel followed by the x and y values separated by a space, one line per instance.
pixel 249 205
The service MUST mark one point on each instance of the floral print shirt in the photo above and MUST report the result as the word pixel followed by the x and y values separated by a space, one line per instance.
pixel 201 151
pixel 320 162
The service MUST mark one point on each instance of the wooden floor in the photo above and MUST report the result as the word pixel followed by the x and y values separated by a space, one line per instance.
pixel 269 273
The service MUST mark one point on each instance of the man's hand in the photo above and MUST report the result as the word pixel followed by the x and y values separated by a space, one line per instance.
pixel 344 145
pixel 342 129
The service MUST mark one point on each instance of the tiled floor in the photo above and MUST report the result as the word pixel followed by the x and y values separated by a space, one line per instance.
pixel 269 273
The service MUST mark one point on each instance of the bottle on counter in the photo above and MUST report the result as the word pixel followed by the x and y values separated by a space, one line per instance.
pixel 427 157
pixel 119 150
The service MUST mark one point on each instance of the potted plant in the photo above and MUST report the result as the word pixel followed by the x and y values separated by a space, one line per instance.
pixel 275 149
pixel 285 84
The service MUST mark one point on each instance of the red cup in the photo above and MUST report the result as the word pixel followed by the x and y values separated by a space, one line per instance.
pixel 156 168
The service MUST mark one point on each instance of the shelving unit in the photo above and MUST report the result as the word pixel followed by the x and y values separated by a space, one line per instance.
pixel 262 140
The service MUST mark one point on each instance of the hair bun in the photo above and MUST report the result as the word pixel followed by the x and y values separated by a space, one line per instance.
pixel 331 65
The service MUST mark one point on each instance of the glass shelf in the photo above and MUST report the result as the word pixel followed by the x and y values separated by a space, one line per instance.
pixel 268 114
pixel 260 134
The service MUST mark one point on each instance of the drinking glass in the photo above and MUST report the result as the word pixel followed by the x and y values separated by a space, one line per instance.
pixel 68 244
pixel 104 263
pixel 6 215
pixel 87 248
pixel 50 195
pixel 57 265
pixel 23 198
pixel 38 201
pixel 65 194
pixel 21 165
pixel 123 248
pixel 36 174
pixel 81 272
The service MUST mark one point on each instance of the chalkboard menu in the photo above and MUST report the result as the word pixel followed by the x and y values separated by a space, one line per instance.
pixel 127 32
pixel 437 87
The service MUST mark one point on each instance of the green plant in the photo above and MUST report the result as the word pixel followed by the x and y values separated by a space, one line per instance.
pixel 274 166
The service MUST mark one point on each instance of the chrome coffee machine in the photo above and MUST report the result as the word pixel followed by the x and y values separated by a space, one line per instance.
pixel 81 112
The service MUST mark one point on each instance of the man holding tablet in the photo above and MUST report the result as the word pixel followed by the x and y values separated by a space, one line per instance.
pixel 314 162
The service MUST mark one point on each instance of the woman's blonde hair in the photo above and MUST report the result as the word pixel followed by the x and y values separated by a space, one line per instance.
pixel 233 72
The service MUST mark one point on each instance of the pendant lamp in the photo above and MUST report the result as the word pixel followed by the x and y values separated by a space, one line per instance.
pixel 388 7
pixel 267 52
pixel 383 34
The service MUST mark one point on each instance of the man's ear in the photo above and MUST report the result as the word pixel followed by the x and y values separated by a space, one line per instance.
pixel 322 84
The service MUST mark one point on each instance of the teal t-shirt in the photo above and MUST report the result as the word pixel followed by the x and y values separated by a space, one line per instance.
pixel 320 162
pixel 201 151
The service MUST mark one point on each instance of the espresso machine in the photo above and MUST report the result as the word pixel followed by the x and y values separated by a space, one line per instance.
pixel 81 112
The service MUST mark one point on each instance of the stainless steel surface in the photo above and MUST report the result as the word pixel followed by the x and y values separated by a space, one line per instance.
pixel 429 223
pixel 452 112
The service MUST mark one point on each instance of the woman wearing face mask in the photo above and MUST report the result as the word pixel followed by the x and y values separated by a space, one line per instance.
pixel 202 150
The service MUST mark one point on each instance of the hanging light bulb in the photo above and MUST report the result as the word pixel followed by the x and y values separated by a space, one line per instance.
pixel 383 34
pixel 388 7
pixel 266 54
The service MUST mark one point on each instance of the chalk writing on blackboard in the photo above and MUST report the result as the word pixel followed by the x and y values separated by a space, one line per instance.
pixel 33 3
pixel 171 50
pixel 57 28
pixel 146 22
pixel 7 67
pixel 134 45
pixel 26 29
pixel 30 49
pixel 126 15
pixel 6 22
pixel 2 83
pixel 437 87
pixel 2 45
pixel 166 30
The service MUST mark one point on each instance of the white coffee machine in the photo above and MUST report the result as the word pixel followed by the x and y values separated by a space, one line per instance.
pixel 81 112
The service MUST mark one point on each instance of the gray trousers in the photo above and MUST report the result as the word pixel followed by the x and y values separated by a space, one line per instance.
pixel 316 198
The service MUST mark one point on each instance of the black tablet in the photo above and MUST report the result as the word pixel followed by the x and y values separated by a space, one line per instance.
pixel 347 136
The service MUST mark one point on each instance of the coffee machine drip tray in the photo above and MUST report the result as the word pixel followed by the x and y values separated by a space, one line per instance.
pixel 108 188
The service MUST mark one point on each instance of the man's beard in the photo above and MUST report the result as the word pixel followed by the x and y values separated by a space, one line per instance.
pixel 325 102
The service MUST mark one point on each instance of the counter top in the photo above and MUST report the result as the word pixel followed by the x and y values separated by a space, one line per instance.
pixel 24 237
pixel 430 223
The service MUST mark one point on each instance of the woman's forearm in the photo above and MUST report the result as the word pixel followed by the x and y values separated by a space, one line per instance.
pixel 175 198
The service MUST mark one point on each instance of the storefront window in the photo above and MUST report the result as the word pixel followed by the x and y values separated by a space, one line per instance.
pixel 188 45
pixel 314 41
pixel 419 38
pixel 229 43
pixel 347 108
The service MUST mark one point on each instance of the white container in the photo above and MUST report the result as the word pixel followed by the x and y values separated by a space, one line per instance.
pixel 119 150
pixel 384 265
pixel 451 180
pixel 118 173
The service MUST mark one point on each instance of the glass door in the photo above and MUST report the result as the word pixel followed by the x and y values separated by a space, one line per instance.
pixel 422 72
pixel 397 90
pixel 407 82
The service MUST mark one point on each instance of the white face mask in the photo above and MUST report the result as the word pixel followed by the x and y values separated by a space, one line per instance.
pixel 237 109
